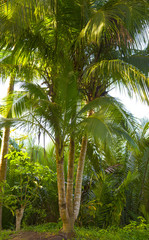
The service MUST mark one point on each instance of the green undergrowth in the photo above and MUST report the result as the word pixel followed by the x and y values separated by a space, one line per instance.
pixel 112 234
pixel 133 231
pixel 5 234
pixel 47 227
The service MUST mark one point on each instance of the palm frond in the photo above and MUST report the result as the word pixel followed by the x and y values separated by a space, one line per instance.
pixel 140 61
pixel 117 21
pixel 111 106
pixel 120 73
pixel 108 120
pixel 35 90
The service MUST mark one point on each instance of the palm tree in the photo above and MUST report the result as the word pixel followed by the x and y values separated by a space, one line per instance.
pixel 97 37
pixel 5 143
pixel 58 115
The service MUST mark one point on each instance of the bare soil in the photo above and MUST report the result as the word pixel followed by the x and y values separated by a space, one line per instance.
pixel 35 236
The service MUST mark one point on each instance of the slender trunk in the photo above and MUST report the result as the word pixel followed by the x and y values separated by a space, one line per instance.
pixel 4 148
pixel 19 216
pixel 44 141
pixel 61 181
pixel 79 177
pixel 3 163
pixel 4 151
pixel 70 176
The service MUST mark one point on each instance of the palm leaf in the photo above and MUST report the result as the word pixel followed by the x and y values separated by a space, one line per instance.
pixel 120 73
pixel 140 61
pixel 117 21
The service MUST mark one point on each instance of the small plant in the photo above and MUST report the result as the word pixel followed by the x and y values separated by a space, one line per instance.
pixel 5 234
pixel 25 180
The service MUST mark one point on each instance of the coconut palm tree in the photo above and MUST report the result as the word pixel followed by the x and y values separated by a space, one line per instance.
pixel 97 37
pixel 5 143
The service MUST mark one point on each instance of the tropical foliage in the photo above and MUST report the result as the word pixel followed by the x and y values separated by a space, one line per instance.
pixel 68 57
pixel 26 181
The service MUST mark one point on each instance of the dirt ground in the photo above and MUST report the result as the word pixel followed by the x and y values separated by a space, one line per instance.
pixel 35 236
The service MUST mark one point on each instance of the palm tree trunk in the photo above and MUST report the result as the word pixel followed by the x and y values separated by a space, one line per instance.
pixel 70 176
pixel 61 181
pixel 4 148
pixel 3 163
pixel 65 202
pixel 79 177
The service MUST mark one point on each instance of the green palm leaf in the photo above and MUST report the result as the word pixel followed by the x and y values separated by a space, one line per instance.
pixel 118 72
pixel 122 20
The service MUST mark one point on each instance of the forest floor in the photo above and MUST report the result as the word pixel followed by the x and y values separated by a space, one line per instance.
pixel 30 235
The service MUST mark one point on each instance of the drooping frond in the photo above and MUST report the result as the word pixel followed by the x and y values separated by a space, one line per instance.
pixel 118 72
pixel 145 132
pixel 117 21
pixel 38 28
pixel 51 104
pixel 108 119
pixel 140 61
pixel 35 90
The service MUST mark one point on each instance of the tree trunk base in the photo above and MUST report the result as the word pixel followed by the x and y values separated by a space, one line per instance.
pixel 67 232
pixel 19 216
pixel 66 236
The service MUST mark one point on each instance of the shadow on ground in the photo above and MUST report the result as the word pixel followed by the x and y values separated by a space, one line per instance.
pixel 35 236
